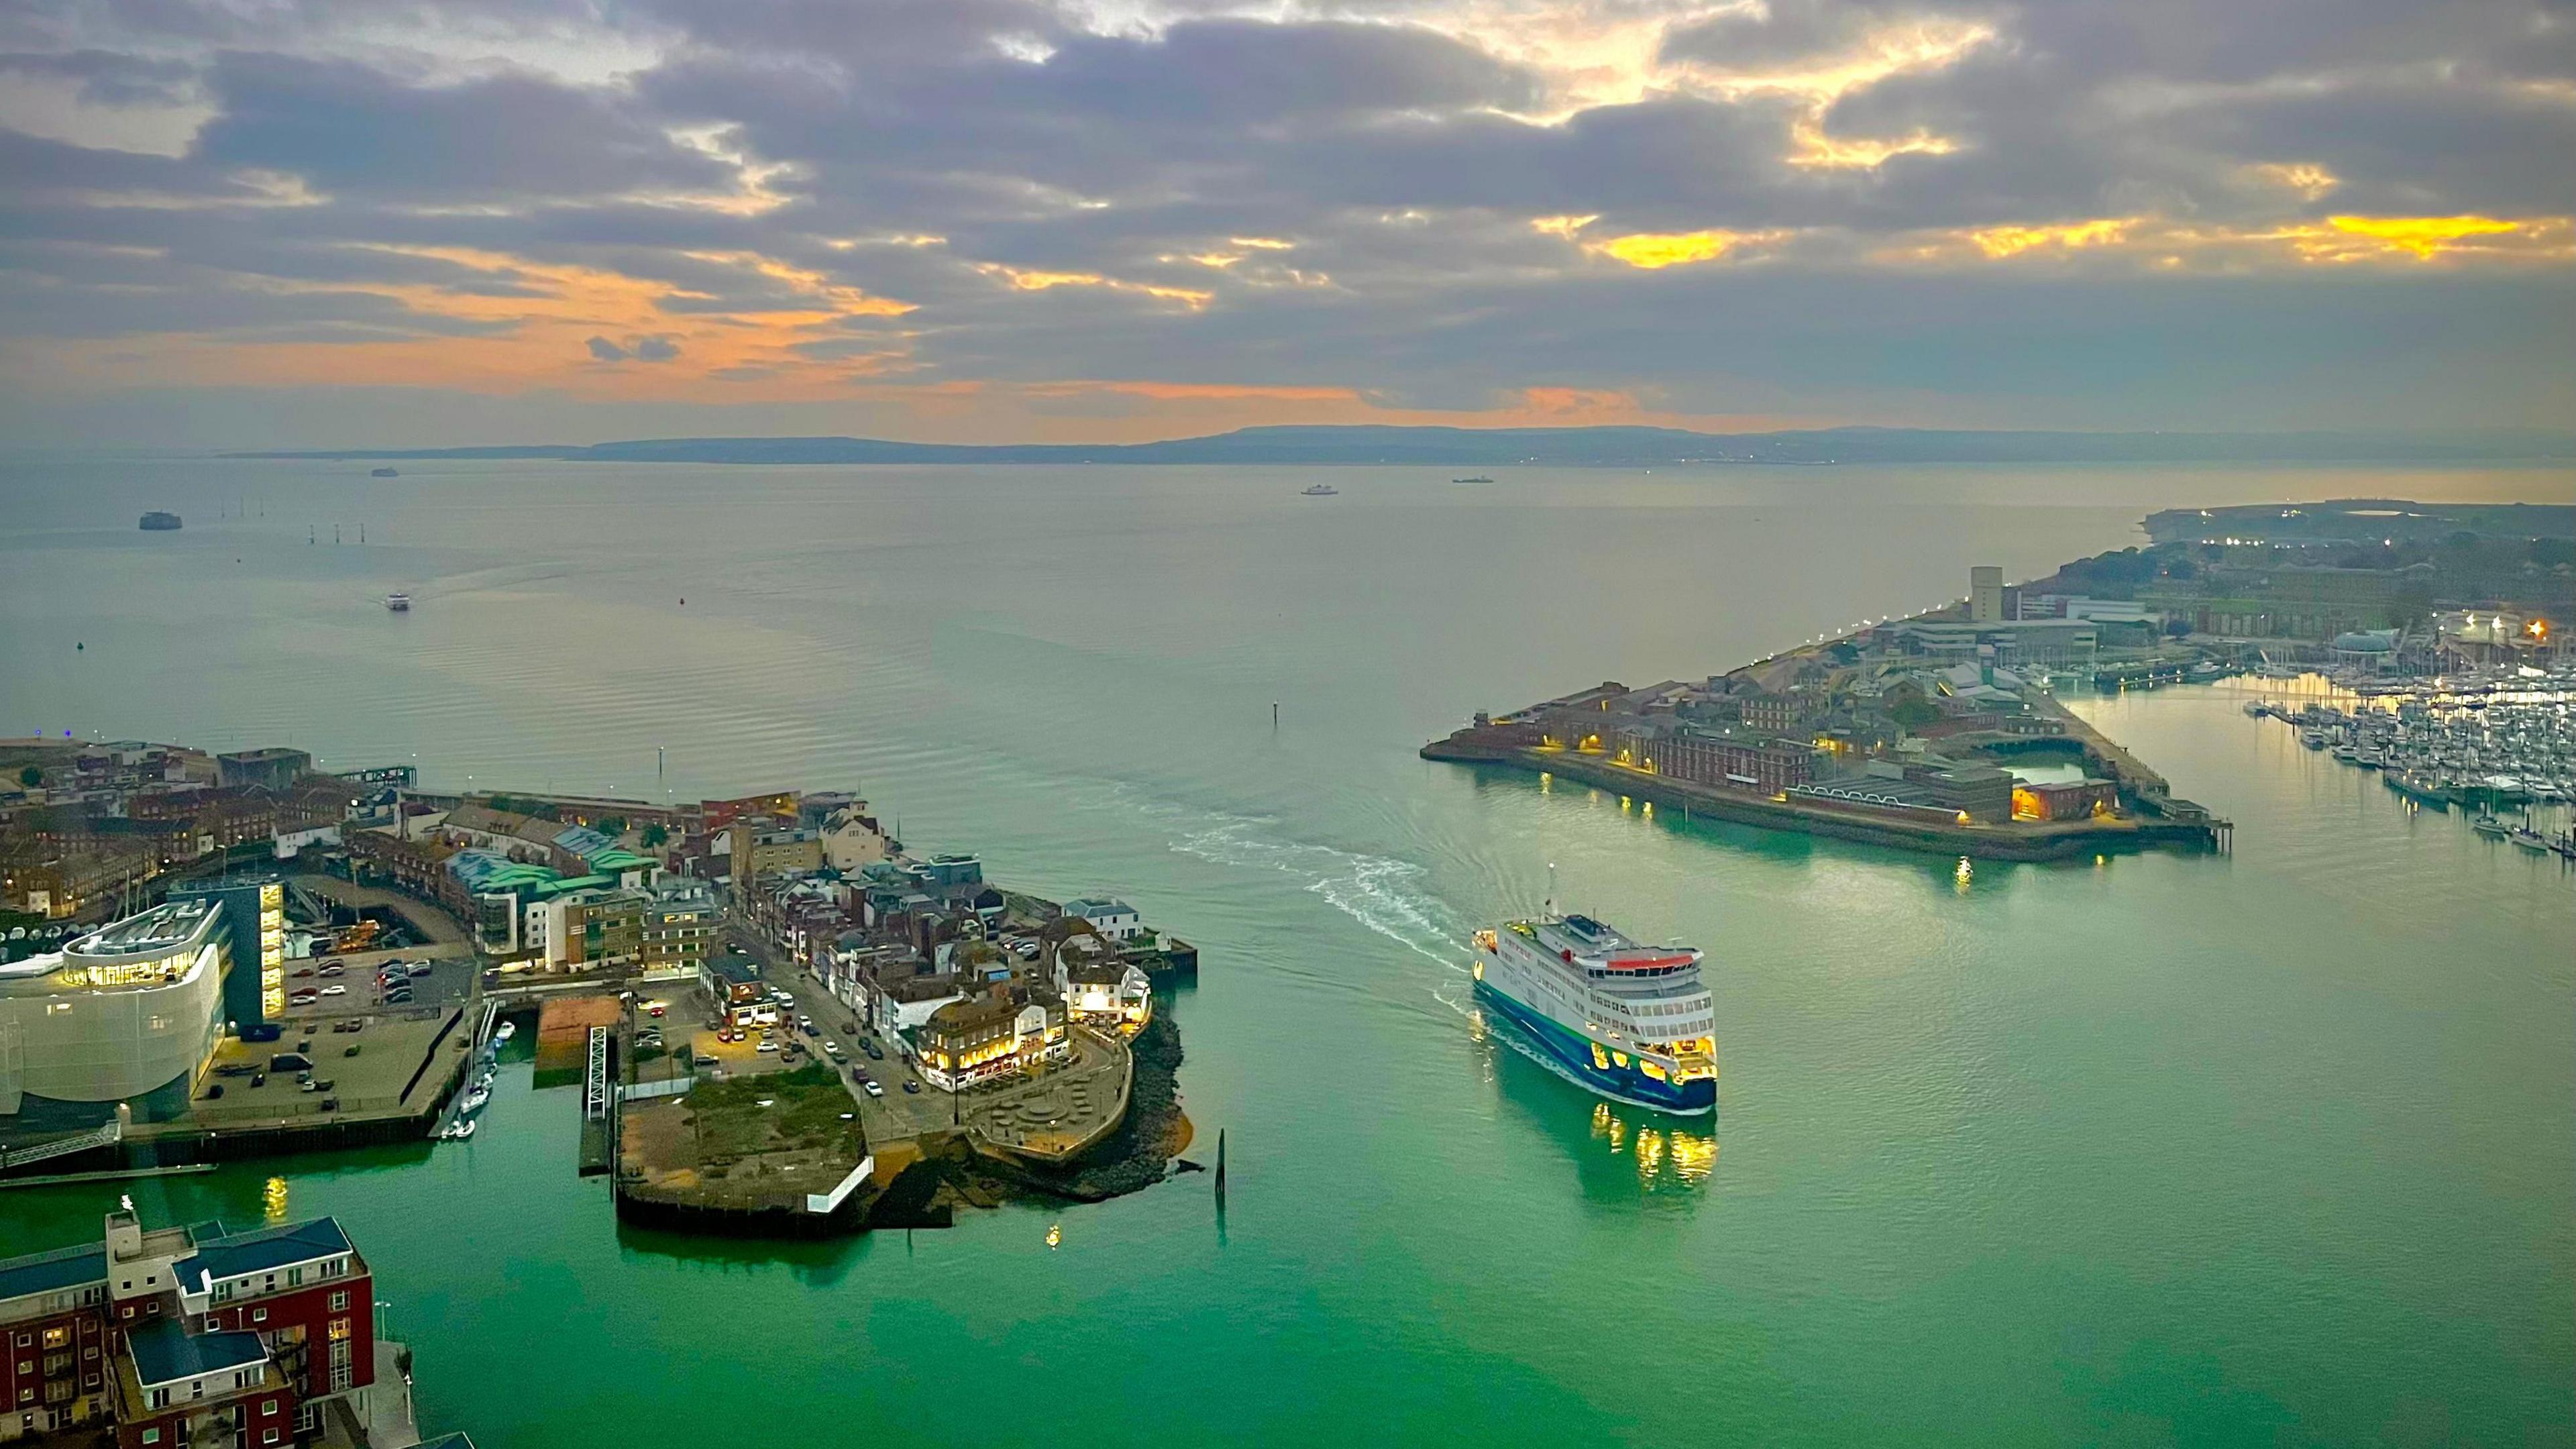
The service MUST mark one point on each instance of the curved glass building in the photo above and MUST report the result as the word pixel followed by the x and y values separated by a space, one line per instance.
pixel 128 1013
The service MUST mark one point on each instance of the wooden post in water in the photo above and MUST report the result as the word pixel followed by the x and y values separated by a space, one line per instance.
pixel 1220 1167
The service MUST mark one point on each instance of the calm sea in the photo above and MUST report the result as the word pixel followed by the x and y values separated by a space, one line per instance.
pixel 2267 1148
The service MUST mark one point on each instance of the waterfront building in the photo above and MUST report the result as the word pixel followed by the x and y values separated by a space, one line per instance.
pixel 2070 800
pixel 760 848
pixel 126 1016
pixel 2014 641
pixel 1112 918
pixel 1985 594
pixel 594 927
pixel 1722 756
pixel 1007 1030
pixel 1100 987
pixel 253 911
pixel 680 926
pixel 273 769
pixel 189 1336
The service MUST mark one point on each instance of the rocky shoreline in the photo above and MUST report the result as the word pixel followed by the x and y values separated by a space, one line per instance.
pixel 951 1173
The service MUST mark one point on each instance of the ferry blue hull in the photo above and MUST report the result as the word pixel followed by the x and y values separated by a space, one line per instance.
pixel 1573 1052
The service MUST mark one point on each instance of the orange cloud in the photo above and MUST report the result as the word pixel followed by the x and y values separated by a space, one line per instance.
pixel 2424 237
pixel 1651 251
pixel 1024 280
pixel 2008 241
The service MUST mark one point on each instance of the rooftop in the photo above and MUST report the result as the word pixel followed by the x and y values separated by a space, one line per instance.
pixel 53 1270
pixel 165 1353
pixel 164 925
pixel 261 1249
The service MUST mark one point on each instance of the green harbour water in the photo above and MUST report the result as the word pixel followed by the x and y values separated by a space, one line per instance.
pixel 2277 1147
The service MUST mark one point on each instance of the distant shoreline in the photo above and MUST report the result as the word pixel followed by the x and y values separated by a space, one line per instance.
pixel 1607 447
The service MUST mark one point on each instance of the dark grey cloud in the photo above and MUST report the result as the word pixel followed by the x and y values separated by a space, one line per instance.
pixel 353 131
pixel 364 164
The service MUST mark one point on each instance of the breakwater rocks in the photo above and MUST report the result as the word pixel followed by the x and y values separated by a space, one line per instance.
pixel 952 1172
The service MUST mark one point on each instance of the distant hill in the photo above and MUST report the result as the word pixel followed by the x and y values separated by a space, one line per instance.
pixel 1564 447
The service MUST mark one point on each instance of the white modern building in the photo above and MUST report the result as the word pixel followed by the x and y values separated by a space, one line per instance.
pixel 129 1013
pixel 1112 918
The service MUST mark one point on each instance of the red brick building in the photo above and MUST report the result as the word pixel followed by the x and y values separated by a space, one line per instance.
pixel 1766 766
pixel 186 1336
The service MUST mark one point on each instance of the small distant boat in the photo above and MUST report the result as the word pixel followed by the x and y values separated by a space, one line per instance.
pixel 399 603
pixel 473 1101
pixel 458 1132
pixel 505 1031
pixel 158 522
pixel 2490 827
pixel 1321 490
pixel 1472 480
pixel 2530 839
pixel 382 473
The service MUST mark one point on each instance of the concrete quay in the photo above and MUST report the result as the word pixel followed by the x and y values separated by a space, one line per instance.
pixel 2017 841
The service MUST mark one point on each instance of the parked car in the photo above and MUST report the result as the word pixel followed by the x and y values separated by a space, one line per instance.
pixel 213 1090
pixel 655 1009
pixel 725 1035
pixel 397 998
pixel 421 967
pixel 767 1046
pixel 833 1047
pixel 235 1069
pixel 873 1089
pixel 870 1047
pixel 335 989
pixel 302 971
pixel 334 969
pixel 912 1086
pixel 259 1079
pixel 703 1060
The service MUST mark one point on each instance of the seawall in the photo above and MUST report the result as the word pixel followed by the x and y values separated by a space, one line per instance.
pixel 2057 841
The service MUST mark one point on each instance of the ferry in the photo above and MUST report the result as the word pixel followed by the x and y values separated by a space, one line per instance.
pixel 1321 490
pixel 399 603
pixel 1479 478
pixel 1631 1022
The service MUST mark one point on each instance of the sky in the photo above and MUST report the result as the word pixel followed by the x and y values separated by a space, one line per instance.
pixel 324 223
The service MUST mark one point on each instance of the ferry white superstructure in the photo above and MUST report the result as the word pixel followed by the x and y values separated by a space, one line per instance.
pixel 1631 1022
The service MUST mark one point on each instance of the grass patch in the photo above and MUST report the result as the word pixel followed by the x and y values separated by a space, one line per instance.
pixel 804 1114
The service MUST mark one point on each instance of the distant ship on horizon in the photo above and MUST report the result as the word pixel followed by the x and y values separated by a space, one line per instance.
pixel 382 473
pixel 1478 479
pixel 1320 490
pixel 399 603
pixel 158 522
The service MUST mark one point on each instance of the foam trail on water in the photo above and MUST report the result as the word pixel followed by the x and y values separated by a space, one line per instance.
pixel 1379 893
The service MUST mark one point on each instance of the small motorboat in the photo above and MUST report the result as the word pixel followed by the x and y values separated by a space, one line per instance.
pixel 473 1101
pixel 399 603
pixel 505 1031
pixel 2490 827
pixel 458 1132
